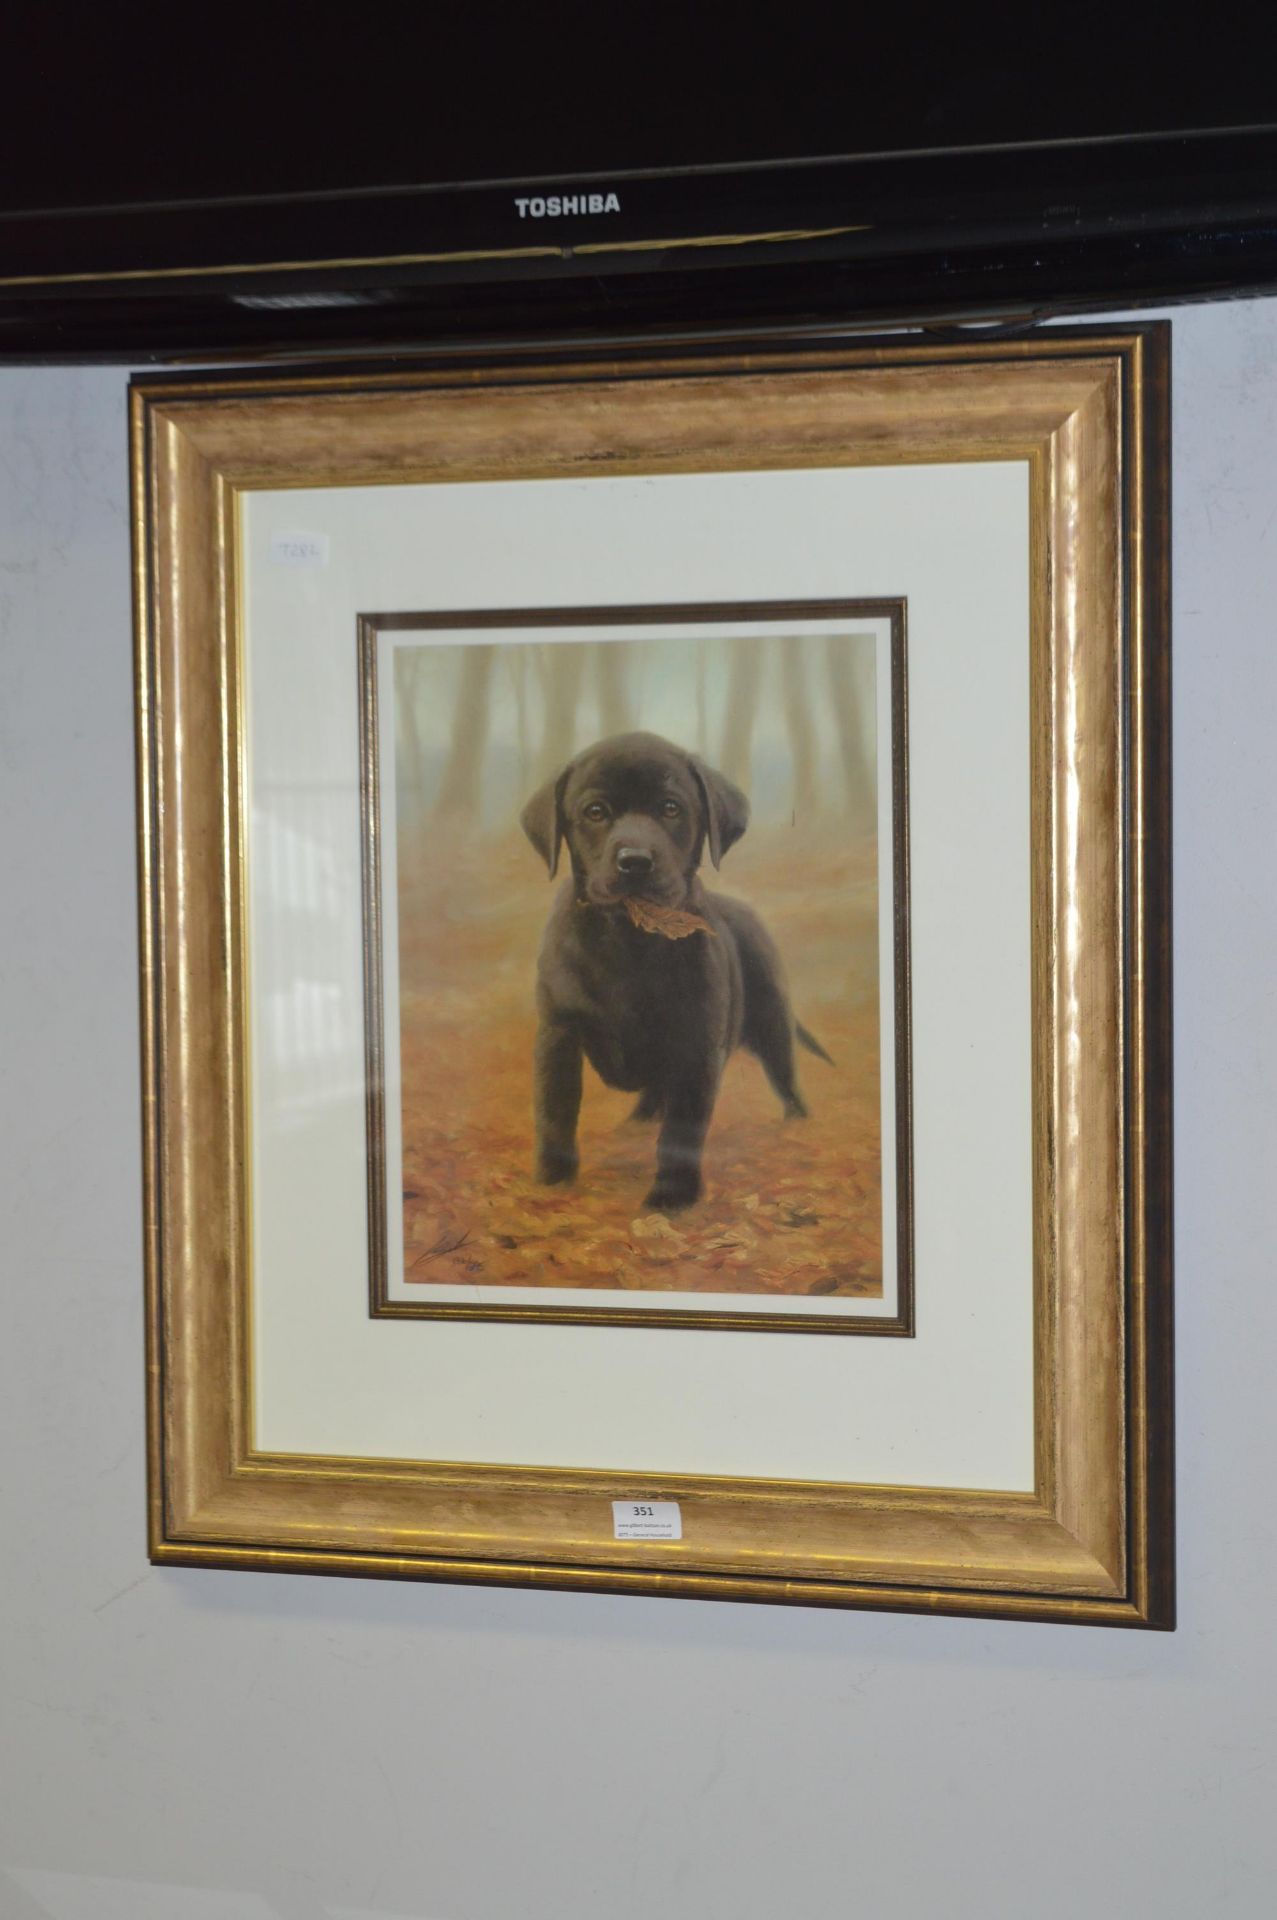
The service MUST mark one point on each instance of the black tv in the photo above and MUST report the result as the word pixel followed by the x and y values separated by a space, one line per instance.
pixel 284 189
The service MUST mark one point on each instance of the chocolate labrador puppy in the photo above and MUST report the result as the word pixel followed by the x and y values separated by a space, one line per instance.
pixel 642 972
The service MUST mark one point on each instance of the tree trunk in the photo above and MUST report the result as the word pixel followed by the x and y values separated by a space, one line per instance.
pixel 563 666
pixel 410 770
pixel 610 681
pixel 742 704
pixel 802 739
pixel 850 692
pixel 518 659
pixel 460 787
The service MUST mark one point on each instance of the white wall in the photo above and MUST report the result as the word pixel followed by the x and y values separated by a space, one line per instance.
pixel 181 1745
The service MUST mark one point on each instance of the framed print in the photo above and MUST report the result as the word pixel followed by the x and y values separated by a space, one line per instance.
pixel 651 860
pixel 497 744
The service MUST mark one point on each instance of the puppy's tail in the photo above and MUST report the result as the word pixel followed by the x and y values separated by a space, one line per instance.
pixel 811 1043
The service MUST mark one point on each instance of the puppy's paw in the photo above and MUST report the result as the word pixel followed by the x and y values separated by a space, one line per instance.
pixel 553 1167
pixel 673 1192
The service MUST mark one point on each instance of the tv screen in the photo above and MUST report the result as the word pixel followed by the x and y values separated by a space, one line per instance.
pixel 337 180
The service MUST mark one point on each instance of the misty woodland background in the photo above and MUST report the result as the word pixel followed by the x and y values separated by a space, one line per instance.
pixel 790 1207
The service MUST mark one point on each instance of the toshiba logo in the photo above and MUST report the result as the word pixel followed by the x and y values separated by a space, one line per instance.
pixel 554 205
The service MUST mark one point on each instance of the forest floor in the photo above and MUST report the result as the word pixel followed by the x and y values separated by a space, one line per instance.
pixel 790 1207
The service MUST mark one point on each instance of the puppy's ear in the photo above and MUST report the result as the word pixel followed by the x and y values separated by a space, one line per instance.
pixel 542 819
pixel 726 810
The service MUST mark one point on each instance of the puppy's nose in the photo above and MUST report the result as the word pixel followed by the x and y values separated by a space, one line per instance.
pixel 633 860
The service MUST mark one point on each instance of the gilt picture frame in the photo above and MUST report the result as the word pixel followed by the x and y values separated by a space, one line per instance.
pixel 1013 1456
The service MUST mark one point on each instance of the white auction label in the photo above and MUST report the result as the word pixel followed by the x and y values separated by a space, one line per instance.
pixel 297 549
pixel 647 1520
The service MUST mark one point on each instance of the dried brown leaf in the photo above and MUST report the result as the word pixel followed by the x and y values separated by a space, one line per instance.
pixel 673 922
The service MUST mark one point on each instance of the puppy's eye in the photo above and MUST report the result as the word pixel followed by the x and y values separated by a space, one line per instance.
pixel 595 811
pixel 671 809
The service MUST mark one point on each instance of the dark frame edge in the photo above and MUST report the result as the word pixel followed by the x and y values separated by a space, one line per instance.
pixel 1155 1589
pixel 150 953
pixel 651 1582
pixel 902 1324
